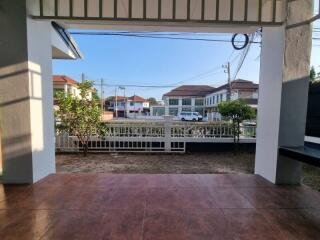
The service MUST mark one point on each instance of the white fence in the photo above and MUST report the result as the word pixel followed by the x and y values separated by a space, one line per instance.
pixel 154 137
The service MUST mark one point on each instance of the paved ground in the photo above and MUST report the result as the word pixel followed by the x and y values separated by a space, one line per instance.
pixel 158 207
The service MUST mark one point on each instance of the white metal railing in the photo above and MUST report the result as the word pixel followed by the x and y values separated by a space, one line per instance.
pixel 154 137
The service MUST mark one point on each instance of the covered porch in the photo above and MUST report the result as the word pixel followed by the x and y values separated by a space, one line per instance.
pixel 37 33
pixel 98 206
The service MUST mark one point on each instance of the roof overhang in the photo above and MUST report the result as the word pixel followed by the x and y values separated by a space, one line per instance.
pixel 63 45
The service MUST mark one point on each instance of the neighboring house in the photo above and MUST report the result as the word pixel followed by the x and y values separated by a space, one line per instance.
pixel 127 106
pixel 62 83
pixel 65 84
pixel 186 98
pixel 240 89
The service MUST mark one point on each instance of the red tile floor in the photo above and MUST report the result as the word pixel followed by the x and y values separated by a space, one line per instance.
pixel 102 206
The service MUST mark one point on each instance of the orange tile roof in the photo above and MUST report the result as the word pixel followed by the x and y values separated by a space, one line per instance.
pixel 136 98
pixel 62 79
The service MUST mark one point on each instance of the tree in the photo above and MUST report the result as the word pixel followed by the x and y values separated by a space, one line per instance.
pixel 152 101
pixel 313 74
pixel 95 95
pixel 236 111
pixel 79 116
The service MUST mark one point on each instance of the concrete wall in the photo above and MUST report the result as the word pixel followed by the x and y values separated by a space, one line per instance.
pixel 26 115
pixel 284 79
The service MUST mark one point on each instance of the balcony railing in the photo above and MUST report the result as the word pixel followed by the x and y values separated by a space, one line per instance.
pixel 252 12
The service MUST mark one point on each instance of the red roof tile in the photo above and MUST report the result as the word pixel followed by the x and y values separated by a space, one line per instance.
pixel 119 98
pixel 136 98
pixel 62 79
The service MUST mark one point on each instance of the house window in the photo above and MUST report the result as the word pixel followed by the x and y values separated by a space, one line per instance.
pixel 174 102
pixel 158 111
pixel 173 111
pixel 199 110
pixel 186 109
pixel 186 101
pixel 210 101
pixel 199 102
pixel 213 100
pixel 221 97
pixel 131 104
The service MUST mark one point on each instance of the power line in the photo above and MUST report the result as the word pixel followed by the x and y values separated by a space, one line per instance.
pixel 139 86
pixel 243 57
pixel 155 37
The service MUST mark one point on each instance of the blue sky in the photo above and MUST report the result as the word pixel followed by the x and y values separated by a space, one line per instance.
pixel 123 60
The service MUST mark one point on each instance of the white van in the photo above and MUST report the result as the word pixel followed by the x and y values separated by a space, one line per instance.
pixel 190 116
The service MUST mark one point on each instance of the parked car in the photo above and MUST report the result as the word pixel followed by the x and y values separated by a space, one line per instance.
pixel 190 116
pixel 249 123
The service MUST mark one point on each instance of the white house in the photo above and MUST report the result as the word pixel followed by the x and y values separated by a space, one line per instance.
pixel 186 98
pixel 127 106
pixel 240 89
pixel 62 83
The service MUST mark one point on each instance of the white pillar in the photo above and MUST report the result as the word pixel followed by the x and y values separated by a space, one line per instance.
pixel 283 94
pixel 193 104
pixel 26 99
pixel 65 87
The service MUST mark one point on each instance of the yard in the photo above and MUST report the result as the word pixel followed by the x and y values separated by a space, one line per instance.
pixel 195 163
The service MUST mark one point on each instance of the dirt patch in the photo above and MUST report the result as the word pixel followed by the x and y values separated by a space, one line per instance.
pixel 197 163
pixel 311 176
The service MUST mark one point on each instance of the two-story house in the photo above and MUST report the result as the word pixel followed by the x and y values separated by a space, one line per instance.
pixel 62 83
pixel 127 106
pixel 245 90
pixel 186 98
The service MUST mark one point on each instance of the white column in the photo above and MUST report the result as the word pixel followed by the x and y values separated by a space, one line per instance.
pixel 166 106
pixel 26 102
pixel 283 94
pixel 193 104
pixel 65 87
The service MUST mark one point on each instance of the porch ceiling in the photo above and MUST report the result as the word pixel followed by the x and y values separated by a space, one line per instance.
pixel 222 15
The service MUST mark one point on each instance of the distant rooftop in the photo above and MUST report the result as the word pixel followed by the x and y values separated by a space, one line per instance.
pixel 190 90
pixel 62 79
pixel 134 98
pixel 238 84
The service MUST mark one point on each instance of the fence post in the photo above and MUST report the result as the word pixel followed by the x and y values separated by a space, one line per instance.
pixel 167 136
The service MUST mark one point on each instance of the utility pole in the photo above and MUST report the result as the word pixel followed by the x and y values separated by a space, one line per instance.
pixel 116 102
pixel 83 78
pixel 125 100
pixel 102 96
pixel 227 69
